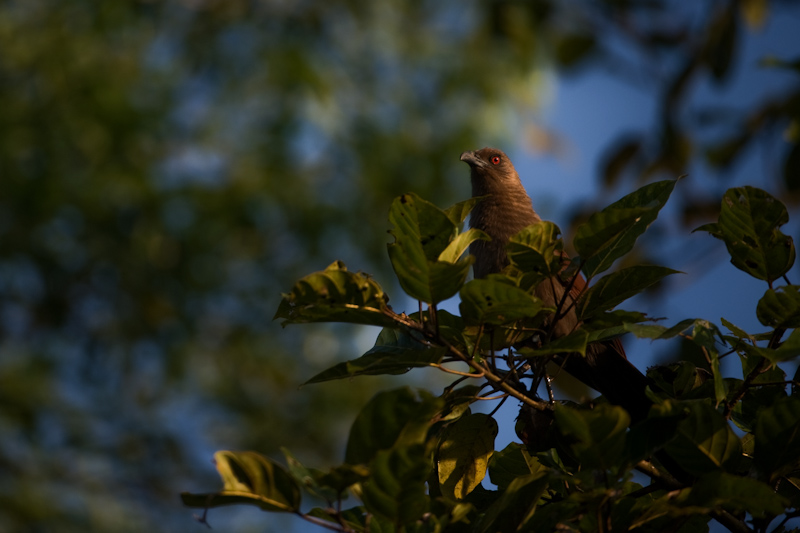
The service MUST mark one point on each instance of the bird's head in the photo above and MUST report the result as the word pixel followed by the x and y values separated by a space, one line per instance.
pixel 490 170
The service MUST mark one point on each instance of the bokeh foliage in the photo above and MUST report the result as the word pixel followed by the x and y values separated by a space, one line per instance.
pixel 167 168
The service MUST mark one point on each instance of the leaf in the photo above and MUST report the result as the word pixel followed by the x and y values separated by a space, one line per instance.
pixel 487 301
pixel 250 478
pixel 748 224
pixel 615 288
pixel 464 453
pixel 537 248
pixel 335 295
pixel 512 462
pixel 419 222
pixel 423 234
pixel 788 350
pixel 458 213
pixel 459 245
pixel 704 441
pixel 778 438
pixel 597 436
pixel 780 308
pixel 395 488
pixel 395 417
pixel 424 280
pixel 654 331
pixel 515 504
pixel 395 352
pixel 575 342
pixel 735 493
pixel 610 234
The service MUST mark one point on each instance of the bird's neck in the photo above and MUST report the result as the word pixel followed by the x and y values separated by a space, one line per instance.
pixel 502 214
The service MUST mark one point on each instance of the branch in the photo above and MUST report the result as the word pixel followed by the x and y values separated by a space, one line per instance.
pixel 497 381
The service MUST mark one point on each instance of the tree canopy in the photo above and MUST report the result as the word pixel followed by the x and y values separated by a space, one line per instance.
pixel 167 169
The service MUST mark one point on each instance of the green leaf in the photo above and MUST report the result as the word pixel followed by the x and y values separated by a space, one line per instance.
pixel 423 233
pixel 252 479
pixel 655 331
pixel 615 288
pixel 515 504
pixel 335 295
pixel 487 301
pixel 678 379
pixel 395 352
pixel 748 224
pixel 459 245
pixel 596 437
pixel 403 417
pixel 704 441
pixel 419 222
pixel 307 478
pixel 458 213
pixel 395 488
pixel 789 349
pixel 778 438
pixel 780 308
pixel 735 493
pixel 425 280
pixel 611 233
pixel 512 462
pixel 464 453
pixel 537 248
pixel 575 342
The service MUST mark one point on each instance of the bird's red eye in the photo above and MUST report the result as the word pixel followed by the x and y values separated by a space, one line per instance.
pixel 496 160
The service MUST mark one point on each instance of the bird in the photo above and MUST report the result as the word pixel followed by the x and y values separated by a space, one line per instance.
pixel 504 209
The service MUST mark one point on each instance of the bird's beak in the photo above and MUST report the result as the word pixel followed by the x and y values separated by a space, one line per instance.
pixel 470 158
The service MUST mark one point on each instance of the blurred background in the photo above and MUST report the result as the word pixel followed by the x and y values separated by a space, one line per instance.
pixel 168 168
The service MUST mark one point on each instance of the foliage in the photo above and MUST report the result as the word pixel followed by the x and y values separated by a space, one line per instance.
pixel 167 168
pixel 712 447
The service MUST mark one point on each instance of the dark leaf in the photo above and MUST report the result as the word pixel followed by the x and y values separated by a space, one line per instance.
pixel 395 488
pixel 780 308
pixel 596 437
pixel 613 289
pixel 748 223
pixel 778 438
pixel 403 417
pixel 610 234
pixel 704 441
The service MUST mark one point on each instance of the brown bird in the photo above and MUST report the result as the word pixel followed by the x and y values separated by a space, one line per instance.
pixel 506 210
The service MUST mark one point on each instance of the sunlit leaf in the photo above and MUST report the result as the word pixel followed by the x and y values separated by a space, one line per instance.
pixel 485 301
pixel 537 248
pixel 253 479
pixel 395 352
pixel 464 453
pixel 335 295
